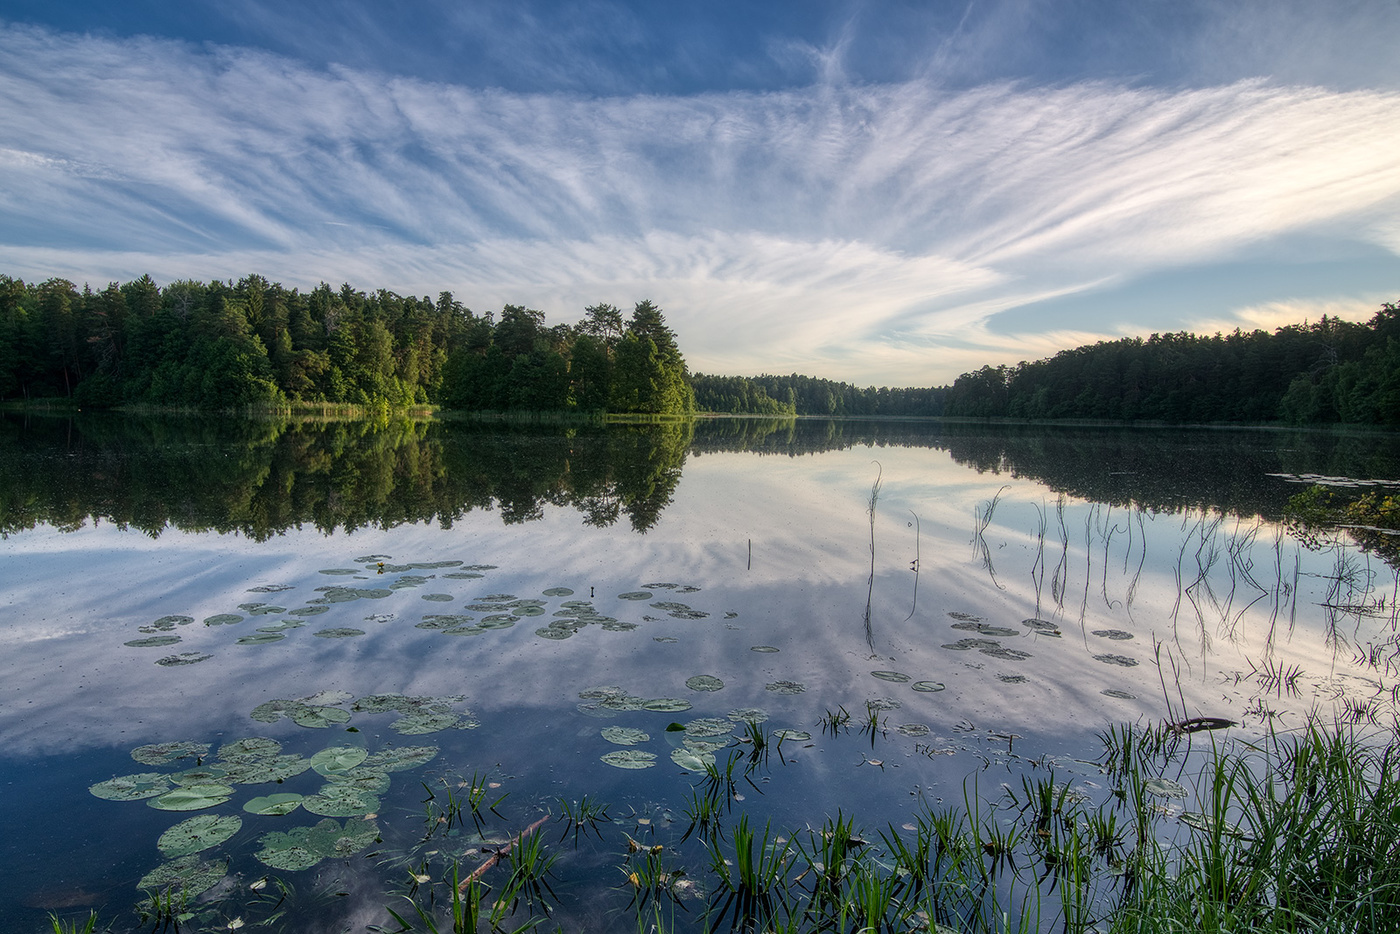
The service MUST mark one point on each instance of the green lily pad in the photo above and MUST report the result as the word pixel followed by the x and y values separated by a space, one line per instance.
pixel 927 687
pixel 912 729
pixel 166 753
pixel 198 833
pixel 1121 661
pixel 709 726
pixel 464 575
pixel 792 736
pixel 625 735
pixel 766 649
pixel 168 622
pixel 338 759
pixel 784 687
pixel 419 724
pixel 630 759
pixel 692 761
pixel 188 874
pixel 263 609
pixel 748 715
pixel 341 572
pixel 666 704
pixel 273 805
pixel 192 797
pixel 132 787
pixel 261 637
pixel 1119 694
pixel 184 658
pixel 897 677
pixel 222 619
pixel 337 800
pixel 401 758
pixel 1117 635
pixel 256 746
pixel 704 683
pixel 1164 788
pixel 310 610
pixel 338 632
pixel 318 718
pixel 200 775
pixel 152 642
pixel 439 597
pixel 365 781
pixel 559 592
pixel 258 771
pixel 635 595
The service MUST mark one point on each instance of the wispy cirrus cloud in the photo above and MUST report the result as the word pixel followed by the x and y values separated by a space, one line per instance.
pixel 864 232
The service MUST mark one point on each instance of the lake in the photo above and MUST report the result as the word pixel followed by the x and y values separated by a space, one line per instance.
pixel 220 635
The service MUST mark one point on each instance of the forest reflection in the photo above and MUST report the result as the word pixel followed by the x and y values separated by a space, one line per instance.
pixel 260 478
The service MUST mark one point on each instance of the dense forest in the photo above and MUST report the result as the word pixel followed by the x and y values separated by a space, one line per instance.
pixel 219 346
pixel 230 345
pixel 1332 371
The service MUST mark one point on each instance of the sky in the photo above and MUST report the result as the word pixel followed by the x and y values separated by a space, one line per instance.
pixel 885 193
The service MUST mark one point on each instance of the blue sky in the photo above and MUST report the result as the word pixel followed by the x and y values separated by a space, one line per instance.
pixel 886 193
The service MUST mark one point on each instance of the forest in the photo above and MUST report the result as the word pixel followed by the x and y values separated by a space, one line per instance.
pixel 252 343
pixel 223 346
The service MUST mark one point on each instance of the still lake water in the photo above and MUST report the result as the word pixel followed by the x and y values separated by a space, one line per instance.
pixel 503 595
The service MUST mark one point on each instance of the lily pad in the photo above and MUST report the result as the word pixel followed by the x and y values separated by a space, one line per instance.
pixel 401 758
pixel 784 687
pixel 692 761
pixel 1122 661
pixel 338 759
pixel 341 572
pixel 257 746
pixel 184 658
pixel 257 771
pixel 132 787
pixel 1119 694
pixel 151 642
pixel 767 649
pixel 630 759
pixel 704 683
pixel 625 735
pixel 338 632
pixel 318 718
pixel 667 704
pixel 198 833
pixel 222 619
pixel 439 597
pixel 310 610
pixel 748 715
pixel 168 622
pixel 1012 655
pixel 792 736
pixel 709 726
pixel 419 724
pixel 912 729
pixel 1164 788
pixel 192 797
pixel 559 592
pixel 635 595
pixel 261 637
pixel 188 874
pixel 1117 635
pixel 166 753
pixel 276 805
pixel 897 677
pixel 337 800
pixel 927 687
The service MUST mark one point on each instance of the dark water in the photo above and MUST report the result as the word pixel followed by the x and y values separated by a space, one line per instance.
pixel 1152 563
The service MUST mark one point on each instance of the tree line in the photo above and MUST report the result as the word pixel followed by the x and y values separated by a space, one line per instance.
pixel 225 345
pixel 1330 371
pixel 229 345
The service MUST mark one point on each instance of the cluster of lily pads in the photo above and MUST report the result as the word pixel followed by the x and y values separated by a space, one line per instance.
pixel 987 643
pixel 353 780
pixel 484 613
pixel 418 714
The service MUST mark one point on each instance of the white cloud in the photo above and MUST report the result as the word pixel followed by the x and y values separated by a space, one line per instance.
pixel 863 233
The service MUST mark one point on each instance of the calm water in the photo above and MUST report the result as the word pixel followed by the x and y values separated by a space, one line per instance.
pixel 1011 593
